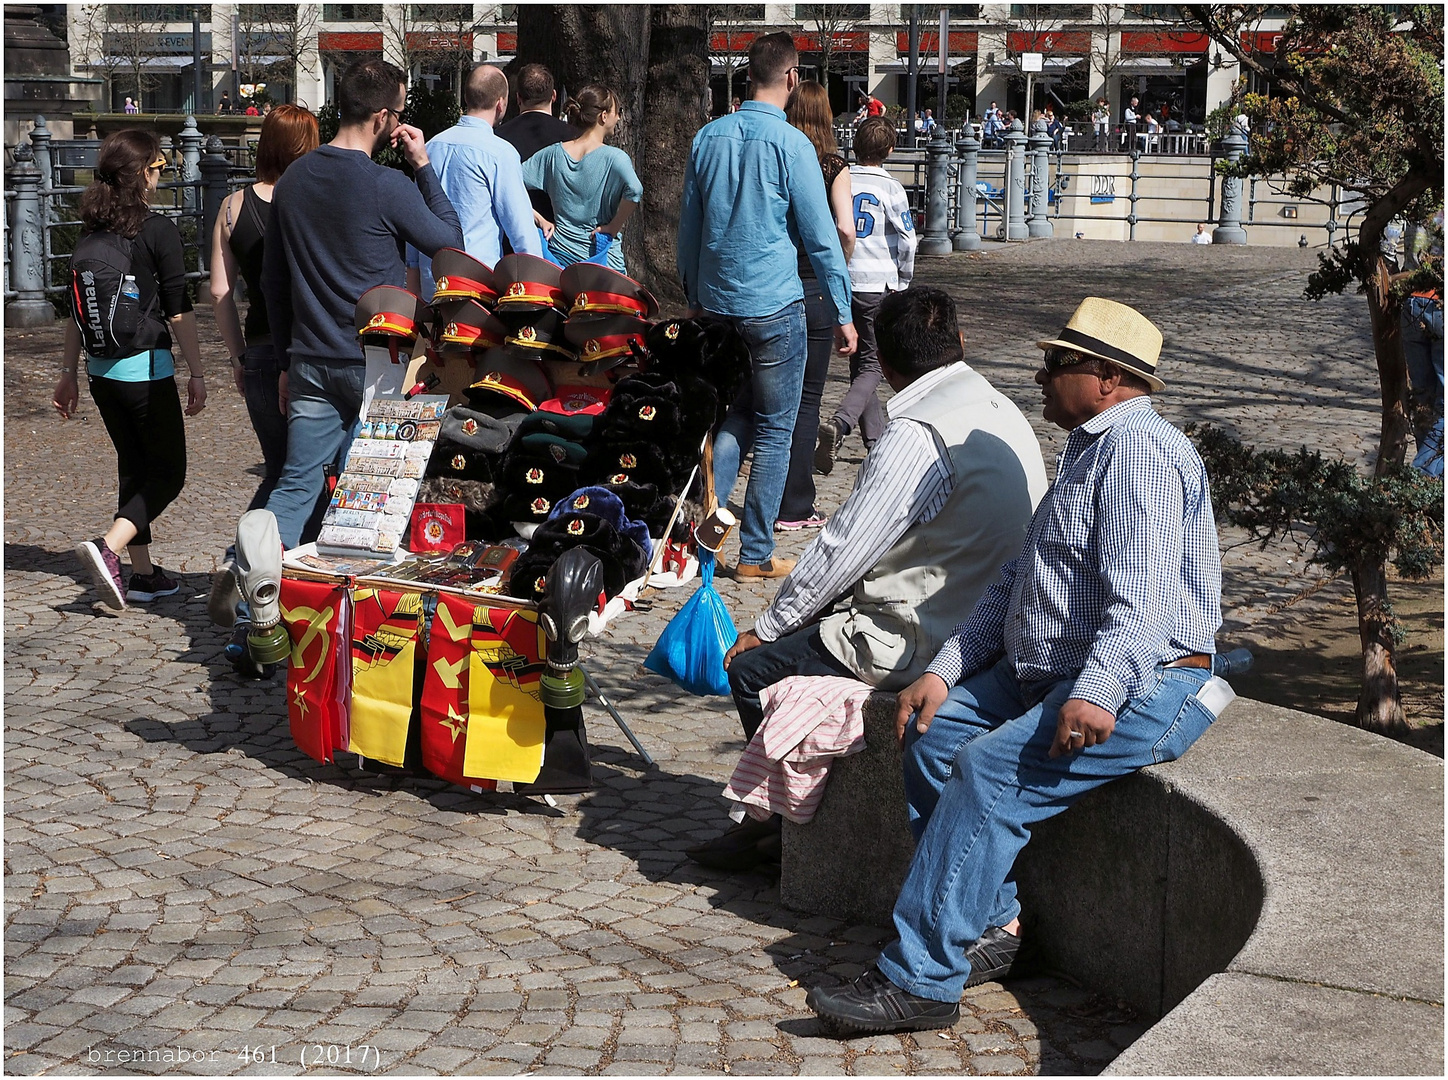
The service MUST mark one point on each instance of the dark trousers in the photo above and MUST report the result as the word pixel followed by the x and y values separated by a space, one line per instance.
pixel 799 653
pixel 799 486
pixel 148 431
pixel 861 404
pixel 259 373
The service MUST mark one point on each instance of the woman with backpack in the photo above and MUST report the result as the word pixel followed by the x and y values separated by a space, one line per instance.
pixel 128 295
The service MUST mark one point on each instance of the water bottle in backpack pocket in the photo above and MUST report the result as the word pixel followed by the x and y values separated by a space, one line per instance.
pixel 106 300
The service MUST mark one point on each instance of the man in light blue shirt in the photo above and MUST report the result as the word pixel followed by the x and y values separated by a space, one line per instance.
pixel 754 200
pixel 483 178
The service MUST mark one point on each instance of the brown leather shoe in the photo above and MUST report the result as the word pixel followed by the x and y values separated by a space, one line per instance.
pixel 774 568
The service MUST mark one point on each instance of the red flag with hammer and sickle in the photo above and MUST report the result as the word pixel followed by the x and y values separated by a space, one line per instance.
pixel 445 693
pixel 314 613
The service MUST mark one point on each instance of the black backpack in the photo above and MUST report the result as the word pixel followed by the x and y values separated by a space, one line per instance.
pixel 106 302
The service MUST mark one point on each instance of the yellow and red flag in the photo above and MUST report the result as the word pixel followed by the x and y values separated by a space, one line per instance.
pixel 315 615
pixel 385 626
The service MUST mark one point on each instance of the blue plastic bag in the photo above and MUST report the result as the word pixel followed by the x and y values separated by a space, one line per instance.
pixel 602 245
pixel 691 649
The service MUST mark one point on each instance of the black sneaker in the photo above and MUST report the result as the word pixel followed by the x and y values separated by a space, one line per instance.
pixel 872 1004
pixel 104 566
pixel 828 446
pixel 143 588
pixel 992 955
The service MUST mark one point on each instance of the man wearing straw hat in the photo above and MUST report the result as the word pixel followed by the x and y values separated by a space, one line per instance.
pixel 1085 661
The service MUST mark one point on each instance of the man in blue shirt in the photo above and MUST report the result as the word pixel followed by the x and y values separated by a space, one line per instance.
pixel 482 175
pixel 754 198
pixel 1088 659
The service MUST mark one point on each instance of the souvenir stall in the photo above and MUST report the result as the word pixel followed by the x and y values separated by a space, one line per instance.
pixel 532 454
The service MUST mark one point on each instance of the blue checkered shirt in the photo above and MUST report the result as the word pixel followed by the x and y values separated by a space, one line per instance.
pixel 1120 571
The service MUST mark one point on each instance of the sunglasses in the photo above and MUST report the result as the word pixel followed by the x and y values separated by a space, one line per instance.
pixel 1056 359
pixel 395 112
pixel 157 166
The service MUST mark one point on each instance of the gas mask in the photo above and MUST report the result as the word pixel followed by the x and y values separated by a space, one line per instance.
pixel 259 576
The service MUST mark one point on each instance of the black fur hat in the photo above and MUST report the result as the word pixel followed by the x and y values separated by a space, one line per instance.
pixel 622 558
pixel 478 502
pixel 471 444
pixel 533 483
pixel 710 347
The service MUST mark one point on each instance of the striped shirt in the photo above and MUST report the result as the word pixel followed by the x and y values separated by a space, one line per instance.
pixel 1120 571
pixel 885 238
pixel 905 479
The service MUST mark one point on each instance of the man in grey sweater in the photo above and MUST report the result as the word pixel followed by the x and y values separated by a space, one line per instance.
pixel 338 225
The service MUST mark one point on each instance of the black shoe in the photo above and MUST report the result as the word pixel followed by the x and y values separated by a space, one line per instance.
pixel 992 955
pixel 827 446
pixel 872 1004
pixel 742 847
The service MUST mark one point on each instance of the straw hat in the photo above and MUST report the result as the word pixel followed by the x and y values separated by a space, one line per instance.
pixel 1114 332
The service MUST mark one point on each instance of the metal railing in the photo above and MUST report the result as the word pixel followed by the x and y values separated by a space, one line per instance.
pixel 978 184
pixel 42 220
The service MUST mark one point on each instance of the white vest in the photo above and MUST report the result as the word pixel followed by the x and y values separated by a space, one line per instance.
pixel 929 581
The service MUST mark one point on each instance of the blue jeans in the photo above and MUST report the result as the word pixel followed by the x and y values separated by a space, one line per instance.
pixel 980 778
pixel 762 416
pixel 798 653
pixel 324 403
pixel 259 372
pixel 1422 326
pixel 798 501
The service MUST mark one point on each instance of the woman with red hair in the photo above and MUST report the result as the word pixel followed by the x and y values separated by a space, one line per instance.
pixel 288 132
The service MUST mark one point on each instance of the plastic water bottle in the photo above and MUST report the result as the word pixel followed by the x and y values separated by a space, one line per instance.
pixel 130 290
pixel 1233 663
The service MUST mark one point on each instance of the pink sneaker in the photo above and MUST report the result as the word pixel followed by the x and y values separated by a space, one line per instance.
pixel 105 570
pixel 814 521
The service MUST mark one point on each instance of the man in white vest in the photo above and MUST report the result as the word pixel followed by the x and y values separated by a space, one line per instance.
pixel 941 502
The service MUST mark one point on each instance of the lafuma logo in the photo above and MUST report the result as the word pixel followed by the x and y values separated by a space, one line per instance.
pixel 91 300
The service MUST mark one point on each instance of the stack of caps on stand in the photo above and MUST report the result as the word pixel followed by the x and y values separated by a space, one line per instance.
pixel 584 419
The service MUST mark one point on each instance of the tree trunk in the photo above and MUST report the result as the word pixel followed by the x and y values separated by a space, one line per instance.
pixel 1380 708
pixel 673 110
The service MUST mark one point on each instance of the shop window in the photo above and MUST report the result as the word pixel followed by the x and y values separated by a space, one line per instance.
pixel 831 12
pixel 352 13
pixel 443 14
pixel 1051 13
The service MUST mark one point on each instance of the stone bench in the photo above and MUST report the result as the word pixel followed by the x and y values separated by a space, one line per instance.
pixel 1276 895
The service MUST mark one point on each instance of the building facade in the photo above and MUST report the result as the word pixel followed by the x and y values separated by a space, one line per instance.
pixel 293 52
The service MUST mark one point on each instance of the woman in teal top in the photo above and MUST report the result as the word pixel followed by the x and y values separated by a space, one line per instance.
pixel 593 186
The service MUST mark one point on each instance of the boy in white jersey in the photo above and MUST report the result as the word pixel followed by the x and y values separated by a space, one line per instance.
pixel 884 261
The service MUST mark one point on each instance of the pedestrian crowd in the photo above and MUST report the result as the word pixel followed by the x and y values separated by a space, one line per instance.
pixel 1042 639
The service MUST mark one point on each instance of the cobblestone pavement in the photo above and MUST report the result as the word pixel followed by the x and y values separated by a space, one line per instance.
pixel 180 879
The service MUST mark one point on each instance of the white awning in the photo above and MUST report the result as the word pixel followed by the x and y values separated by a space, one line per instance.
pixel 1154 63
pixel 148 62
pixel 1048 64
pixel 925 70
pixel 258 61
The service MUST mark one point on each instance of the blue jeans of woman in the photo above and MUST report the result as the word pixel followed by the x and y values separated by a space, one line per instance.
pixel 798 502
pixel 259 372
pixel 976 782
pixel 1422 327
pixel 762 417
pixel 324 403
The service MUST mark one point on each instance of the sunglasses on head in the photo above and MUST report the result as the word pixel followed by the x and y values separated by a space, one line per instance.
pixel 158 166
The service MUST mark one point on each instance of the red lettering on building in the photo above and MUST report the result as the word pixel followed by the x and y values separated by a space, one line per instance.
pixel 1155 42
pixel 349 41
pixel 1073 42
pixel 961 41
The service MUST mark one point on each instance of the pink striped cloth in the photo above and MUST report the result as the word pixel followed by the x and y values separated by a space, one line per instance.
pixel 808 720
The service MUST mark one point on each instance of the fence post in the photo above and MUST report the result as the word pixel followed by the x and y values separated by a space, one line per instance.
pixel 966 237
pixel 1016 182
pixel 40 145
pixel 1040 145
pixel 1229 220
pixel 214 170
pixel 27 244
pixel 190 140
pixel 936 240
pixel 1135 176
